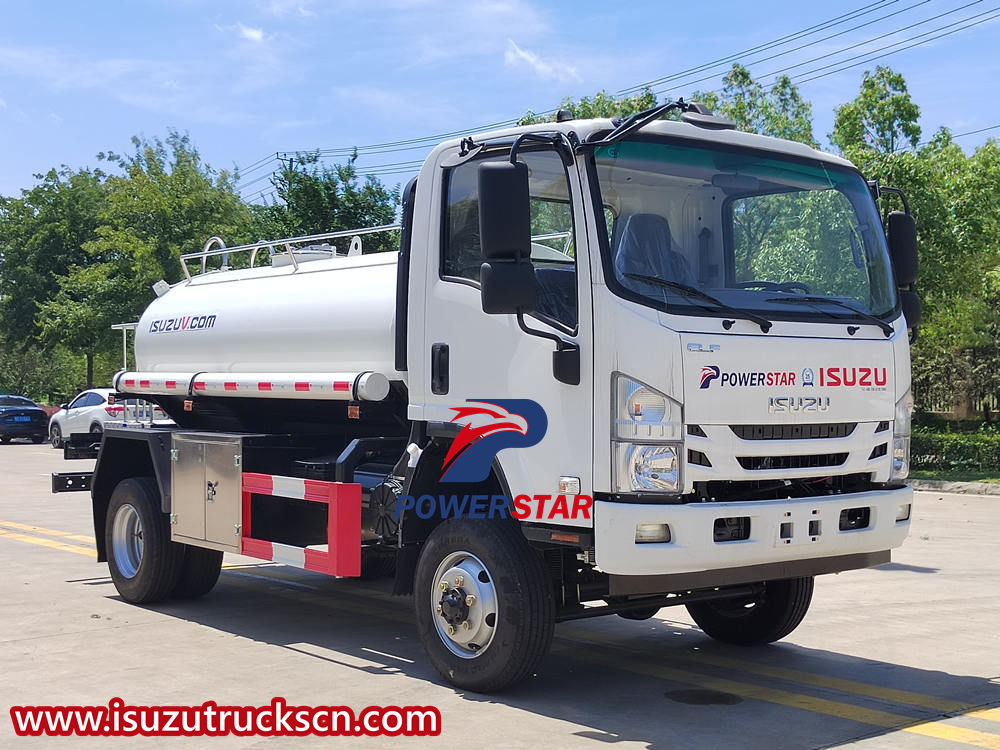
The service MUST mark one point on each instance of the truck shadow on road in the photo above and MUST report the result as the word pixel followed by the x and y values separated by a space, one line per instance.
pixel 658 682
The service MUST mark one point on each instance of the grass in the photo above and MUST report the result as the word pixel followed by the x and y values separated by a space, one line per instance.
pixel 958 475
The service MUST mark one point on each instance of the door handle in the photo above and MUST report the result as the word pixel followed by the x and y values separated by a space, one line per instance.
pixel 439 369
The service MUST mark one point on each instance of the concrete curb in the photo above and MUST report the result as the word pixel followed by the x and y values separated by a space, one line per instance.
pixel 963 488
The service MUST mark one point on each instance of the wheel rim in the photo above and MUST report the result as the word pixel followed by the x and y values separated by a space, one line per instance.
pixel 126 540
pixel 96 429
pixel 56 435
pixel 463 601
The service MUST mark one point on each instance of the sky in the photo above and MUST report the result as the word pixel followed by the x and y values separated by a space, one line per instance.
pixel 249 78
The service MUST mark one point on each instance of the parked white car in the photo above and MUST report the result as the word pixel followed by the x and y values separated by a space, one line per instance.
pixel 90 412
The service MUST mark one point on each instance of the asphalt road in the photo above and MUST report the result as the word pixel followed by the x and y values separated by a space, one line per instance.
pixel 903 656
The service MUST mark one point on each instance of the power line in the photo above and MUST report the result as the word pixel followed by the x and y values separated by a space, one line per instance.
pixel 856 13
pixel 902 49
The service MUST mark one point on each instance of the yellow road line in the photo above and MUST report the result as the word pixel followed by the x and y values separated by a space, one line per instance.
pixel 825 706
pixel 42 542
pixel 47 532
pixel 990 714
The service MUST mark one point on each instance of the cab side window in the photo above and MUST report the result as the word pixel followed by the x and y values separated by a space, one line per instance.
pixel 553 251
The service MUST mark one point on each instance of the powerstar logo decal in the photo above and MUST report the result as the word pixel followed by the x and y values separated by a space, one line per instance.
pixel 865 378
pixel 184 323
pixel 491 426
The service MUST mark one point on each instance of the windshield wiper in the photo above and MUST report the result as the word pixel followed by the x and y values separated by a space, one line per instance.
pixel 886 328
pixel 691 291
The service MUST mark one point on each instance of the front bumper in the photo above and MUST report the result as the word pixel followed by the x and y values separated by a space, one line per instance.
pixel 692 546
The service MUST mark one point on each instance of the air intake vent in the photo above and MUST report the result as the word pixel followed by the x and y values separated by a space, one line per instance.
pixel 698 458
pixel 694 429
pixel 878 451
pixel 793 431
pixel 770 463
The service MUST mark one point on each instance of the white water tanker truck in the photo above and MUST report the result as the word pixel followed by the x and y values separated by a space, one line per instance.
pixel 614 366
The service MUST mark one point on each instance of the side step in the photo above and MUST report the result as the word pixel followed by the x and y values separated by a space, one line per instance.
pixel 340 556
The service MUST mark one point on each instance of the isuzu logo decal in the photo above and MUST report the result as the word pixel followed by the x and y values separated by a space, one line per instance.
pixel 184 323
pixel 779 404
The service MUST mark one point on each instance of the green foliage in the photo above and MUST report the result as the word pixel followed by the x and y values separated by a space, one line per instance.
pixel 43 375
pixel 602 104
pixel 780 111
pixel 976 451
pixel 317 198
pixel 882 117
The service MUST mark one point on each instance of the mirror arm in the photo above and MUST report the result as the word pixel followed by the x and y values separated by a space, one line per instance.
pixel 566 357
pixel 560 141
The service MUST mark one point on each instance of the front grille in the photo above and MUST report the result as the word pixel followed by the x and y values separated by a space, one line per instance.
pixel 793 431
pixel 769 463
pixel 779 489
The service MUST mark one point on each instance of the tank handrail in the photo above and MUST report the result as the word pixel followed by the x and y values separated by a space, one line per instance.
pixel 254 247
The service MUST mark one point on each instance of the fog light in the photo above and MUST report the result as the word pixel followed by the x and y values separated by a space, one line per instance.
pixel 651 533
pixel 903 514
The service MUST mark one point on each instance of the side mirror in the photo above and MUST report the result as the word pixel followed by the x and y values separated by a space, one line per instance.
pixel 504 211
pixel 903 247
pixel 64 406
pixel 507 288
pixel 910 302
pixel 507 278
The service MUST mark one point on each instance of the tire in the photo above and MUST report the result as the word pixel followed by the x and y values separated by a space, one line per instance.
pixel 146 571
pixel 199 572
pixel 5 439
pixel 769 617
pixel 96 429
pixel 36 439
pixel 513 614
pixel 55 436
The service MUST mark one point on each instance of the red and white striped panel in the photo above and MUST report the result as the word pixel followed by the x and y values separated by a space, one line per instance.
pixel 171 383
pixel 340 556
pixel 329 386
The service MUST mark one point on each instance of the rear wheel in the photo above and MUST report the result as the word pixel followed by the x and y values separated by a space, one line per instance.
pixel 199 572
pixel 484 607
pixel 96 428
pixel 763 618
pixel 55 436
pixel 145 565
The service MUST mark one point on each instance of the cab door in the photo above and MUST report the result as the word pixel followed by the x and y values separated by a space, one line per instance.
pixel 472 356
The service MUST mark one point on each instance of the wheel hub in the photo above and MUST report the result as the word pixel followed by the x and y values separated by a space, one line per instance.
pixel 464 604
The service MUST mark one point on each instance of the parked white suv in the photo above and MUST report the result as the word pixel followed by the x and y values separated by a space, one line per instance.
pixel 90 410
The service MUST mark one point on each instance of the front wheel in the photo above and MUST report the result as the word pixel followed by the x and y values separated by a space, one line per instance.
pixel 764 618
pixel 55 436
pixel 484 607
pixel 145 565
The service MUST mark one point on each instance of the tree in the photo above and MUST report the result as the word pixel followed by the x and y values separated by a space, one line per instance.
pixel 165 202
pixel 881 117
pixel 780 111
pixel 602 104
pixel 42 235
pixel 316 199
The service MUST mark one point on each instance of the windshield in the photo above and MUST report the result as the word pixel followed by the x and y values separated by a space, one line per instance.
pixel 751 229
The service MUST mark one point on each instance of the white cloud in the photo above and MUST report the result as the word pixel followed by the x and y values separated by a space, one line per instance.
pixel 250 33
pixel 3 103
pixel 556 70
pixel 282 8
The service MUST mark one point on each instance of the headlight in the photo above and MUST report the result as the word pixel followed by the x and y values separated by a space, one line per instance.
pixel 901 437
pixel 647 468
pixel 644 414
pixel 648 439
